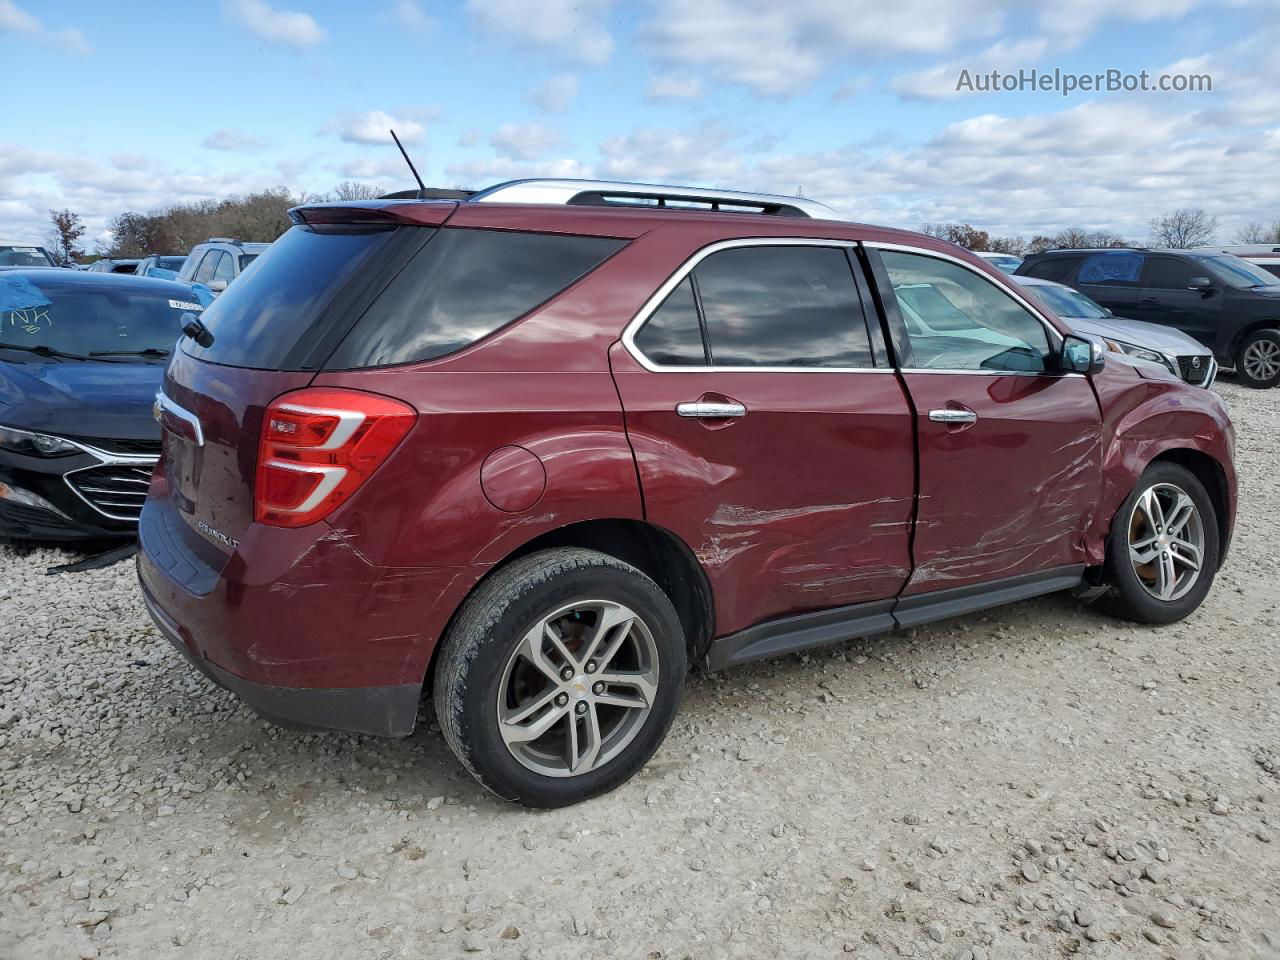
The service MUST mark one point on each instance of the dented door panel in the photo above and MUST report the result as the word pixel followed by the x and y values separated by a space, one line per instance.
pixel 802 503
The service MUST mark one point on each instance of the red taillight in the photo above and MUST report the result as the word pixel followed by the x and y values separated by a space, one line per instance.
pixel 318 445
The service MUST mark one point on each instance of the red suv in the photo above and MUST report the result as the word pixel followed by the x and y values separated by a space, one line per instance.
pixel 542 449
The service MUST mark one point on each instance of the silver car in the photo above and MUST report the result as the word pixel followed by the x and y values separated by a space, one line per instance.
pixel 1183 356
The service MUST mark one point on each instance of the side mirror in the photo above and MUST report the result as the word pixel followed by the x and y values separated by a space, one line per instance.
pixel 1080 355
pixel 217 286
pixel 1200 285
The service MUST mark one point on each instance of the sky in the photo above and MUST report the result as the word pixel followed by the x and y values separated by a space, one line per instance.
pixel 852 102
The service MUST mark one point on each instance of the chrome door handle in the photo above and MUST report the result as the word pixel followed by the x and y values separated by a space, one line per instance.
pixel 711 411
pixel 953 416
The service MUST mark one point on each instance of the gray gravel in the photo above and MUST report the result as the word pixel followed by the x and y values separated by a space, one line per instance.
pixel 1036 781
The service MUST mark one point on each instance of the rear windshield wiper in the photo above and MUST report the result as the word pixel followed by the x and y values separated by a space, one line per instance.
pixel 42 350
pixel 149 352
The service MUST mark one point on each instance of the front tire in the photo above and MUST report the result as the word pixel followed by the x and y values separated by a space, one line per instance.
pixel 560 676
pixel 1258 359
pixel 1162 552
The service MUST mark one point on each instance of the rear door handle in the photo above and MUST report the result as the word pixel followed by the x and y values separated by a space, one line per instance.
pixel 702 410
pixel 1149 300
pixel 953 416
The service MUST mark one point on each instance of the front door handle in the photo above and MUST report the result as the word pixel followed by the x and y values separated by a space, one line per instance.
pixel 953 416
pixel 703 410
pixel 1149 300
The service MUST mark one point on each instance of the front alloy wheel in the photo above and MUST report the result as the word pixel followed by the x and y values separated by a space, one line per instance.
pixel 1258 362
pixel 1162 552
pixel 1166 542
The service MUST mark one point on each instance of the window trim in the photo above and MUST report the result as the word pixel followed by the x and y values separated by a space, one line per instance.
pixel 1056 336
pixel 659 296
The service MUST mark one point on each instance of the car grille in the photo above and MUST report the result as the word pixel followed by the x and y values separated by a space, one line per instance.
pixel 116 491
pixel 1194 369
pixel 129 448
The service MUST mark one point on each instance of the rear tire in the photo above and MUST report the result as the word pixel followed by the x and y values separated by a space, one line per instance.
pixel 560 677
pixel 1258 359
pixel 1164 528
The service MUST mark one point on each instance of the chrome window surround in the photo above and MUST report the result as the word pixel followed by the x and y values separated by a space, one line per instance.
pixel 163 402
pixel 656 300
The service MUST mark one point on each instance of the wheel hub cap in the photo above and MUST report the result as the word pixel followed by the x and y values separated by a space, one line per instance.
pixel 1166 542
pixel 578 688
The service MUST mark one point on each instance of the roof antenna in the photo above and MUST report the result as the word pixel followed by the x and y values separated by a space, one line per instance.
pixel 412 169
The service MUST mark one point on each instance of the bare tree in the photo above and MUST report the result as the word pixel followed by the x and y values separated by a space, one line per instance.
pixel 67 231
pixel 354 190
pixel 1184 228
pixel 1040 243
pixel 1252 232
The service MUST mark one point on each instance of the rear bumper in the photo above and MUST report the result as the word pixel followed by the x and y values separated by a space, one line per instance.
pixel 297 623
pixel 389 711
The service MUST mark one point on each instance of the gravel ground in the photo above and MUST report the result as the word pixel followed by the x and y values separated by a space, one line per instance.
pixel 1035 781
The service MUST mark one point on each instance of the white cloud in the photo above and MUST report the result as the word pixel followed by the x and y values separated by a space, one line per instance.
pixel 1074 21
pixel 379 168
pixel 410 15
pixel 778 49
pixel 668 87
pixel 939 82
pixel 374 127
pixel 289 28
pixel 660 155
pixel 555 95
pixel 15 20
pixel 232 140
pixel 571 27
pixel 477 174
pixel 524 141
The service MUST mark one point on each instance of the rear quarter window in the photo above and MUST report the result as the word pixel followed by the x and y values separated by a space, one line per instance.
pixel 462 286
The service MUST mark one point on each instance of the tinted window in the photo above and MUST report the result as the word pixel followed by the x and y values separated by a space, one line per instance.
pixel 958 320
pixel 1270 267
pixel 463 286
pixel 672 335
pixel 204 273
pixel 1118 268
pixel 1057 269
pixel 1169 273
pixel 1234 271
pixel 24 257
pixel 171 263
pixel 782 306
pixel 86 318
pixel 261 317
pixel 246 259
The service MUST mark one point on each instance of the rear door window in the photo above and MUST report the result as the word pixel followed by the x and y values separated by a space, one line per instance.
pixel 462 286
pixel 1120 268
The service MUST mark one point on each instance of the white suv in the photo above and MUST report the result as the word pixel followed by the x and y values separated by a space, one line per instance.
pixel 218 261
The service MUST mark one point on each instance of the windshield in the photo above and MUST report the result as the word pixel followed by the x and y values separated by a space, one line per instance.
pixel 24 257
pixel 170 263
pixel 1235 272
pixel 1067 303
pixel 47 315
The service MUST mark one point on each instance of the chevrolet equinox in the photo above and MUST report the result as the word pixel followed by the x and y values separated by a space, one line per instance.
pixel 542 449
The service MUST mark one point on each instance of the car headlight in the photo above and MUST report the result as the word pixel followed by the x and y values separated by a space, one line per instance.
pixel 1142 353
pixel 35 444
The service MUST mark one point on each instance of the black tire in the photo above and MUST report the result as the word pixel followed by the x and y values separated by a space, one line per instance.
pixel 1251 369
pixel 484 637
pixel 1128 596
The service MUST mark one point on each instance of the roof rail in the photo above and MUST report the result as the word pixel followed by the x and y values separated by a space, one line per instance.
pixel 609 193
pixel 238 243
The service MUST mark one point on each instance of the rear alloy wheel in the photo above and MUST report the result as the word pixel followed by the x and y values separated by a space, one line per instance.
pixel 1258 360
pixel 1163 547
pixel 560 676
